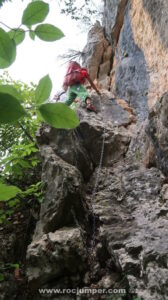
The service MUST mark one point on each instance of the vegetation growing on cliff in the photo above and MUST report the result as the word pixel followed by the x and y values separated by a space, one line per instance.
pixel 23 108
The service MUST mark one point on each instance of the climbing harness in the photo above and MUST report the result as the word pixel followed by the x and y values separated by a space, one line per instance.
pixel 93 242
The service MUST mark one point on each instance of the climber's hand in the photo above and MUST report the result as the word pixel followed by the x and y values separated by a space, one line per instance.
pixel 98 92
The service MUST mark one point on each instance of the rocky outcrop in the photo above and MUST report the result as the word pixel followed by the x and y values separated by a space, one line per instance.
pixel 98 55
pixel 135 37
pixel 133 218
pixel 158 132
pixel 64 231
pixel 103 222
pixel 130 208
pixel 150 25
pixel 127 215
pixel 114 11
pixel 138 29
pixel 59 253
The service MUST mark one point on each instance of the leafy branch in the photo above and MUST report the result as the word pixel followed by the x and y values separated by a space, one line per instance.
pixel 56 114
pixel 13 110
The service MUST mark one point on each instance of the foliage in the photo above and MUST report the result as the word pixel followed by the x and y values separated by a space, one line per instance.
pixel 43 90
pixel 48 33
pixel 33 192
pixel 13 134
pixel 3 1
pixel 19 157
pixel 17 35
pixel 22 109
pixel 7 50
pixel 52 114
pixel 84 11
pixel 13 110
pixel 22 159
pixel 56 114
pixel 36 12
pixel 8 192
pixel 1 277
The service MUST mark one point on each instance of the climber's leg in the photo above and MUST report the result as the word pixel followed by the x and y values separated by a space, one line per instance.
pixel 71 96
pixel 89 105
pixel 83 94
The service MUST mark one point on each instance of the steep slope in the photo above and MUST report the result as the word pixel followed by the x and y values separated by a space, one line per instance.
pixel 127 218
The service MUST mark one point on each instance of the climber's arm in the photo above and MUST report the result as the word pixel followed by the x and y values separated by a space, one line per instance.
pixel 93 85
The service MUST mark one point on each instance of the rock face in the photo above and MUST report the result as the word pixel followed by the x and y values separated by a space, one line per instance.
pixel 144 32
pixel 98 55
pixel 130 209
pixel 127 215
pixel 133 216
pixel 150 26
pixel 67 201
pixel 157 131
pixel 60 253
pixel 114 11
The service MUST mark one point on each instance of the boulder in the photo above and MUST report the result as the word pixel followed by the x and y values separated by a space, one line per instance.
pixel 62 143
pixel 55 256
pixel 64 186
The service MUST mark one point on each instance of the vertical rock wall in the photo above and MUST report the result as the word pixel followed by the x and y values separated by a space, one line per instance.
pixel 150 29
pixel 130 208
pixel 138 35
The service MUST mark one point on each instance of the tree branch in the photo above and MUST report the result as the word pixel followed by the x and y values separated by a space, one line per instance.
pixel 5 25
pixel 27 133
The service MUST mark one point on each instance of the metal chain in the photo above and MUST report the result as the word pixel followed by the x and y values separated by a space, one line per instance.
pixel 97 182
pixel 93 241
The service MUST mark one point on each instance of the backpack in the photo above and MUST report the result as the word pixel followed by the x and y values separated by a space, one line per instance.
pixel 74 74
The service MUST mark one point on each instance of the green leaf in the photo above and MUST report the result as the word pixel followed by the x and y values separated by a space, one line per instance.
pixel 32 34
pixel 14 266
pixel 3 217
pixel 1 277
pixel 9 212
pixel 10 109
pixel 8 192
pixel 41 200
pixel 9 89
pixel 7 50
pixel 13 203
pixel 43 89
pixel 48 33
pixel 35 13
pixel 24 164
pixel 17 35
pixel 59 115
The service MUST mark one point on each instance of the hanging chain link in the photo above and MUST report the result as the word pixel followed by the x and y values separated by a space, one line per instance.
pixel 96 184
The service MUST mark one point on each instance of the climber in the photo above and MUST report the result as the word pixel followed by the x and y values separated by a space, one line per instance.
pixel 74 80
pixel 61 96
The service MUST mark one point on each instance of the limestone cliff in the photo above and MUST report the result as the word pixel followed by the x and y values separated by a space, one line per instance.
pixel 118 238
pixel 128 59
